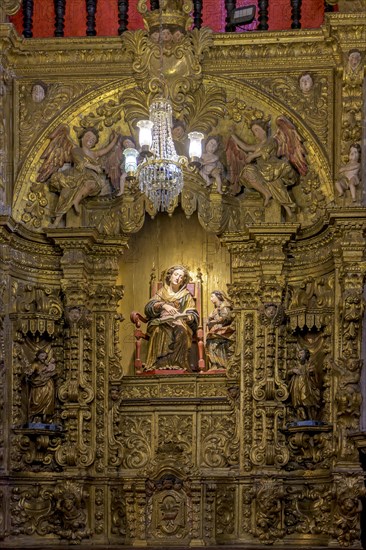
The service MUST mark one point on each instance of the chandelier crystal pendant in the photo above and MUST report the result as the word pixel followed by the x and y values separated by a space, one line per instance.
pixel 160 175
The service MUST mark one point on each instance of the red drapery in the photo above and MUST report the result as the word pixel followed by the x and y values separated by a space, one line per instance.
pixel 107 16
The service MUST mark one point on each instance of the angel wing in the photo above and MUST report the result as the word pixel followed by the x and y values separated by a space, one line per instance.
pixel 290 144
pixel 112 163
pixel 57 153
pixel 236 160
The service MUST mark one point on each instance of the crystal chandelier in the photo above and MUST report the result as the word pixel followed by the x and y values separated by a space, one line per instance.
pixel 160 171
pixel 160 175
pixel 158 168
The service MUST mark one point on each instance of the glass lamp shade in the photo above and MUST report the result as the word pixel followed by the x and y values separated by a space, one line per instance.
pixel 130 167
pixel 195 148
pixel 145 135
pixel 195 144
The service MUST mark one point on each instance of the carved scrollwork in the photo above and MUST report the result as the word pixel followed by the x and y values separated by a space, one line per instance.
pixel 217 433
pixel 11 6
pixel 36 449
pixel 136 433
pixel 310 447
pixel 31 509
pixel 182 70
pixel 34 115
pixel 269 445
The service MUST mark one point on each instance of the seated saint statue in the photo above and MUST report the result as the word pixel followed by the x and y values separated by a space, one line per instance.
pixel 172 319
pixel 220 330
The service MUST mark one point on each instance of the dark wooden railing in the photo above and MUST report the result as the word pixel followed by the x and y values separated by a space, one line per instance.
pixel 123 13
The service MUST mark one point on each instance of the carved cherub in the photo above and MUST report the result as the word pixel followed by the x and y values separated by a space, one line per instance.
pixel 212 170
pixel 306 83
pixel 349 174
pixel 271 314
pixel 271 164
pixel 85 176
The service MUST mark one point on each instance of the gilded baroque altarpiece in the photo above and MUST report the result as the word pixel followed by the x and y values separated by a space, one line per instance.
pixel 264 449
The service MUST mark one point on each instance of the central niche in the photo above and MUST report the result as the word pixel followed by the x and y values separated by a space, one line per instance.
pixel 162 242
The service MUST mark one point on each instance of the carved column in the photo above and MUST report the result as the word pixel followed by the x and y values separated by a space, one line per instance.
pixel 258 290
pixel 350 280
pixel 243 292
pixel 90 270
pixel 270 389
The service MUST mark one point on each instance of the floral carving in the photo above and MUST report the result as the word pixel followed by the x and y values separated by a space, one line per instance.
pixel 217 433
pixel 136 434
pixel 176 430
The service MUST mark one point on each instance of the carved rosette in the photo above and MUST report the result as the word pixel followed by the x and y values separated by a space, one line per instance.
pixel 100 506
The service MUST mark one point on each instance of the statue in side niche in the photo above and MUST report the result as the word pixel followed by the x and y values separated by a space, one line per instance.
pixel 220 330
pixel 40 379
pixel 304 387
pixel 84 178
pixel 271 164
pixel 172 319
pixel 349 174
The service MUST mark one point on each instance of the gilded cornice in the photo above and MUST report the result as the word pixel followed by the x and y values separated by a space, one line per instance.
pixel 340 31
pixel 27 252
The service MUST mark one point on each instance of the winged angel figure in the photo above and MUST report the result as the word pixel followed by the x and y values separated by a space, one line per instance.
pixel 77 171
pixel 271 164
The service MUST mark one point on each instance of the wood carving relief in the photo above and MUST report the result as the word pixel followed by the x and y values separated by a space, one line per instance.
pixel 235 417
